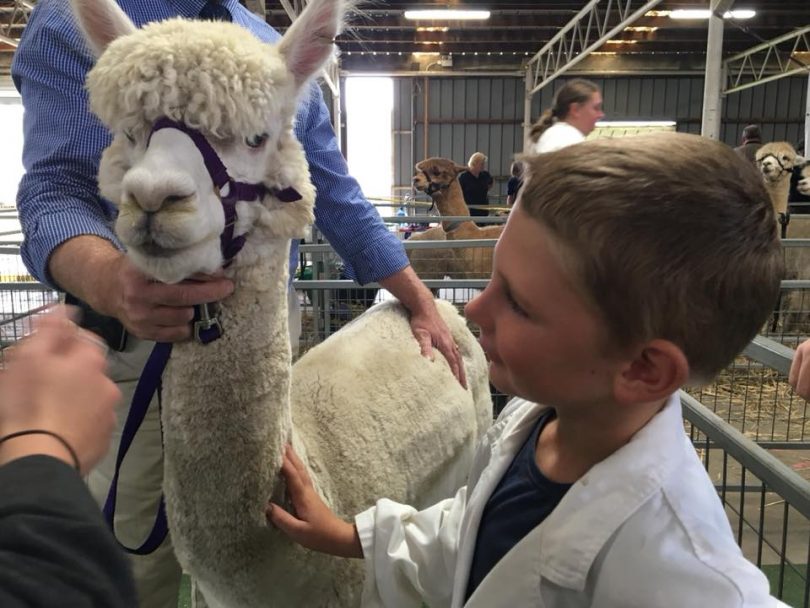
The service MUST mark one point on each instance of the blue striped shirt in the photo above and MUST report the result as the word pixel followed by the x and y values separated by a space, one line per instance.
pixel 58 197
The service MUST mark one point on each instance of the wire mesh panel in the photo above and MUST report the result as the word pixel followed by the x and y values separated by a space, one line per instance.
pixel 757 401
pixel 767 503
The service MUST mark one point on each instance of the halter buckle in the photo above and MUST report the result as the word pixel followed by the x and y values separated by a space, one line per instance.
pixel 207 326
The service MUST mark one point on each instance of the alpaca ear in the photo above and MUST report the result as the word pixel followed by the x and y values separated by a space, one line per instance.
pixel 101 22
pixel 460 168
pixel 310 41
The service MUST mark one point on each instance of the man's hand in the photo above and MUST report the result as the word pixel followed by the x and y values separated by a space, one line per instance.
pixel 427 324
pixel 799 376
pixel 55 380
pixel 315 526
pixel 92 269
pixel 431 331
pixel 157 311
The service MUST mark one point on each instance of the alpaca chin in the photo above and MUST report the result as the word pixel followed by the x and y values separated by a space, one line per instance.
pixel 204 257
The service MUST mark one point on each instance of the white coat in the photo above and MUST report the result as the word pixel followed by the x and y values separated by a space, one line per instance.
pixel 643 528
pixel 557 136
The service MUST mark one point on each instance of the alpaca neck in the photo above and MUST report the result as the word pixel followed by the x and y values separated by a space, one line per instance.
pixel 451 202
pixel 779 192
pixel 226 410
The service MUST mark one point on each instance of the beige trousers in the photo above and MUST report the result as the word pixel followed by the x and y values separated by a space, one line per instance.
pixel 157 576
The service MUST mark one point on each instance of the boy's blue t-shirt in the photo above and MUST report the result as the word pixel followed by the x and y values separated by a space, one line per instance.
pixel 523 499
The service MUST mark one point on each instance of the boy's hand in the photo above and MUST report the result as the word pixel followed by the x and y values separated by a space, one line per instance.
pixel 799 377
pixel 316 527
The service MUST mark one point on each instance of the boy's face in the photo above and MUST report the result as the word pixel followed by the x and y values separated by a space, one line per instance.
pixel 542 342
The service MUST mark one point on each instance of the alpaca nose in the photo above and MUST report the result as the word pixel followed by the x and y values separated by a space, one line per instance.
pixel 153 192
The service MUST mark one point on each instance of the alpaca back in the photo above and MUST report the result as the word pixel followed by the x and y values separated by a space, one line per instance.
pixel 370 408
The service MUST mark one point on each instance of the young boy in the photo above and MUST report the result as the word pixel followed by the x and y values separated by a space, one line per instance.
pixel 627 269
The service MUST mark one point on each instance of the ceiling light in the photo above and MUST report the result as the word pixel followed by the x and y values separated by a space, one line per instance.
pixel 657 13
pixel 604 53
pixel 422 28
pixel 699 13
pixel 425 54
pixel 622 41
pixel 446 15
pixel 640 28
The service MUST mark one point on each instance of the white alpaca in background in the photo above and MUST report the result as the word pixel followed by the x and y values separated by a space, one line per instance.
pixel 365 411
pixel 775 161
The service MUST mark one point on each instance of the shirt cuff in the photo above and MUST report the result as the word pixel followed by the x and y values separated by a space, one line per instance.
pixel 378 260
pixel 365 531
pixel 50 231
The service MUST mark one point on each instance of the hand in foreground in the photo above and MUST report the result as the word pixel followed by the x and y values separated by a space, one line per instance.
pixel 157 311
pixel 430 330
pixel 55 380
pixel 799 376
pixel 315 526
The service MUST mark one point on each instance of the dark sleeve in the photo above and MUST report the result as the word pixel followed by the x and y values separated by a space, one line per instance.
pixel 464 182
pixel 488 177
pixel 55 548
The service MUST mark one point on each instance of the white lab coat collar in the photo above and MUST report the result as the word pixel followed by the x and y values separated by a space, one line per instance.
pixel 572 536
pixel 607 495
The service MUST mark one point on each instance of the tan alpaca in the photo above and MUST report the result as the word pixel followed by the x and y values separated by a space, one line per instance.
pixel 775 161
pixel 438 177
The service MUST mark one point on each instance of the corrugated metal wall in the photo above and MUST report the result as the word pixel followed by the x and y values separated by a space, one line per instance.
pixel 484 113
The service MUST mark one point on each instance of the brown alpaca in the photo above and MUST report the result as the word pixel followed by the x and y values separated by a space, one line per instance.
pixel 438 177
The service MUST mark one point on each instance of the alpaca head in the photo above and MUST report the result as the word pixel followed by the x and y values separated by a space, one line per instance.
pixel 176 93
pixel 436 174
pixel 775 160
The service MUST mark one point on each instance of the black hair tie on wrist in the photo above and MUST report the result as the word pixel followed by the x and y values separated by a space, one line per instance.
pixel 59 438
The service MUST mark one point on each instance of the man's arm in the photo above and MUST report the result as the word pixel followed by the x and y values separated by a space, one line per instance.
pixel 356 231
pixel 427 324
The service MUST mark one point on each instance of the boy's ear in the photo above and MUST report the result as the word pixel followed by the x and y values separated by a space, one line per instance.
pixel 657 370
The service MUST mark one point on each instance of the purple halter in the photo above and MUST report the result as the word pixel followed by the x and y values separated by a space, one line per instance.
pixel 237 191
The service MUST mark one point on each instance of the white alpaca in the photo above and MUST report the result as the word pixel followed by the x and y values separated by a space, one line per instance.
pixel 365 411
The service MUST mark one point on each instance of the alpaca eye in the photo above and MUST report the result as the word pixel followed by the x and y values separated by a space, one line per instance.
pixel 129 137
pixel 256 141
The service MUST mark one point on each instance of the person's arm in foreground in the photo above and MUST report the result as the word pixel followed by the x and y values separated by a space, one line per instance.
pixel 55 549
pixel 355 230
pixel 409 554
pixel 799 376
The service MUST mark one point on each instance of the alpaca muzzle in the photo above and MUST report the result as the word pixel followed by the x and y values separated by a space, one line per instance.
pixel 229 190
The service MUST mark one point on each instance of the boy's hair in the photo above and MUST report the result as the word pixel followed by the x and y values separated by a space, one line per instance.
pixel 667 235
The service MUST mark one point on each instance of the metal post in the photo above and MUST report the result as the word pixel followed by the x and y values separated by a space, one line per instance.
pixel 807 122
pixel 710 121
pixel 527 107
